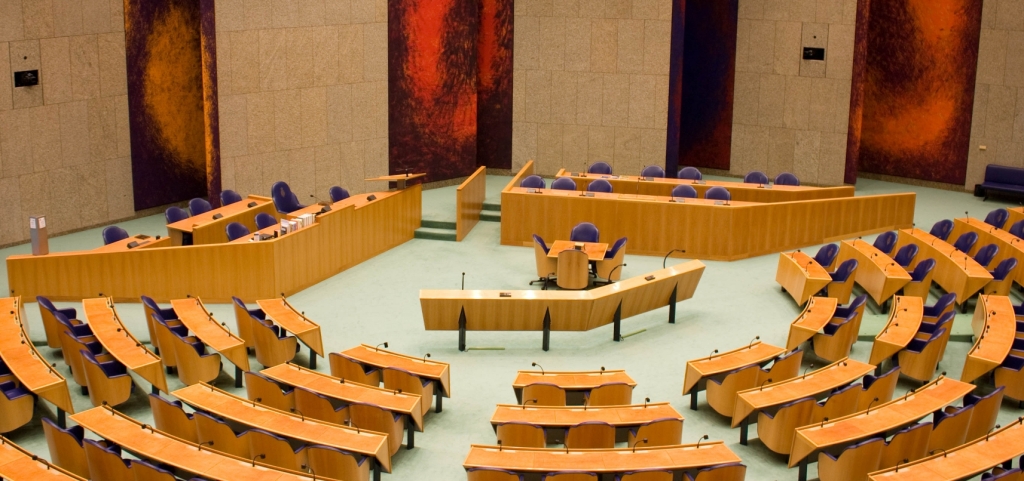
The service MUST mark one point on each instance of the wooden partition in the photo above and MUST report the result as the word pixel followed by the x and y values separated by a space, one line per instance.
pixel 339 240
pixel 523 173
pixel 654 225
pixel 469 201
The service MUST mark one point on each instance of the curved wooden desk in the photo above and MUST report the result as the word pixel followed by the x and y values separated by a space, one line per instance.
pixel 537 460
pixel 955 271
pixel 438 371
pixel 295 322
pixel 818 313
pixel 801 276
pixel 347 391
pixel 995 328
pixel 883 418
pixel 904 321
pixel 962 462
pixel 27 364
pixel 879 275
pixel 17 464
pixel 196 318
pixel 699 370
pixel 574 383
pixel 563 417
pixel 148 443
pixel 208 228
pixel 1009 244
pixel 120 343
pixel 210 399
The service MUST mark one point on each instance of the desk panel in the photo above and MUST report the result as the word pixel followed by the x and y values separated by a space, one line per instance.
pixel 1009 244
pixel 194 315
pixel 206 229
pixel 740 191
pixel 536 460
pixel 904 321
pixel 756 353
pixel 25 362
pixel 962 462
pixel 17 464
pixel 121 344
pixel 955 271
pixel 995 329
pixel 801 276
pixel 879 275
pixel 818 313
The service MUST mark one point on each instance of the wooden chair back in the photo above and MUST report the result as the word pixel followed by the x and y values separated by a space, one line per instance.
pixel 546 266
pixel 910 444
pixel 920 289
pixel 488 474
pixel 838 404
pixel 104 465
pixel 611 267
pixel 147 472
pixel 348 369
pixel 722 396
pixel 397 379
pixel 662 432
pixel 951 431
pixel 15 413
pixel 983 419
pixel 270 349
pixel 376 418
pixel 590 435
pixel 65 450
pixel 172 419
pixel 267 392
pixel 72 347
pixel 723 472
pixel 1012 380
pixel 52 328
pixel 782 369
pixel 651 475
pixel 164 337
pixel 777 432
pixel 611 394
pixel 573 269
pixel 193 368
pixel 842 290
pixel 882 388
pixel 102 389
pixel 315 406
pixel 336 464
pixel 569 477
pixel 837 346
pixel 853 464
pixel 220 437
pixel 523 435
pixel 545 394
pixel 243 321
pixel 276 451
pixel 921 366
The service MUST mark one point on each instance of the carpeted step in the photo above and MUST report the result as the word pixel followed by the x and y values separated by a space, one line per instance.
pixel 437 224
pixel 495 207
pixel 490 216
pixel 435 234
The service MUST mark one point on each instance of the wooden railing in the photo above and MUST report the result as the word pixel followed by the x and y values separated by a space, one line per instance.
pixel 469 201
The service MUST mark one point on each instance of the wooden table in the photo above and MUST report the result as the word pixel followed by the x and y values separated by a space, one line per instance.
pixel 437 371
pixel 357 201
pixel 26 363
pixel 879 275
pixel 120 343
pixel 995 328
pixel 698 371
pixel 208 228
pixel 150 444
pixel 1009 244
pixel 140 241
pixel 574 383
pixel 883 418
pixel 348 391
pixel 399 179
pixel 955 271
pixel 564 416
pixel 904 321
pixel 538 460
pixel 210 399
pixel 801 276
pixel 267 234
pixel 594 250
pixel 295 322
pixel 962 462
pixel 817 314
pixel 17 464
pixel 194 315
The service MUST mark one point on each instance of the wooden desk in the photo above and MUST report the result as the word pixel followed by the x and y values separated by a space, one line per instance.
pixel 950 271
pixel 537 460
pixel 595 251
pixel 210 399
pixel 120 343
pixel 17 464
pixel 150 444
pixel 295 322
pixel 26 363
pixel 399 179
pixel 698 371
pixel 563 416
pixel 341 239
pixel 995 328
pixel 357 200
pixel 546 311
pixel 801 276
pixel 140 241
pixel 469 202
pixel 1009 244
pixel 194 315
pixel 437 371
pixel 879 275
pixel 904 321
pixel 267 234
pixel 348 391
pixel 740 191
pixel 962 462
pixel 205 229
pixel 817 314
pixel 574 383
pixel 883 418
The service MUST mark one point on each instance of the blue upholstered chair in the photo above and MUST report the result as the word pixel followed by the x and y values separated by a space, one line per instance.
pixel 285 201
pixel 684 191
pixel 546 266
pixel 236 230
pixel 920 279
pixel 950 427
pixel 149 472
pixel 942 229
pixel 50 324
pixel 16 406
pixel 844 271
pixel 718 193
pixel 906 255
pixel 333 463
pixel 855 306
pixel 921 356
pixel 600 185
pixel 174 214
pixel 199 206
pixel 985 254
pixel 1000 473
pixel 931 327
pixel 885 242
pixel 997 218
pixel 273 345
pixel 584 232
pixel 563 183
pixel 264 220
pixel 690 173
pixel 755 177
pixel 105 461
pixel 228 197
pixel 113 233
pixel 338 194
pixel 646 475
pixel 1017 229
pixel 966 241
pixel 787 178
pixel 1001 278
pixel 842 281
pixel 533 182
pixel 729 472
pixel 652 171
pixel 277 450
pixel 941 306
pixel 109 382
pixel 69 453
pixel 492 474
pixel 853 462
pixel 826 255
pixel 1004 268
pixel 600 168
pixel 611 265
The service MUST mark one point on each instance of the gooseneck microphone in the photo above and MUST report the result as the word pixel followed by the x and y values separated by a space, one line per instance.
pixel 538 365
pixel 665 260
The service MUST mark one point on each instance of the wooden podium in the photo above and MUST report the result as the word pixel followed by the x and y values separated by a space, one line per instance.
pixel 399 179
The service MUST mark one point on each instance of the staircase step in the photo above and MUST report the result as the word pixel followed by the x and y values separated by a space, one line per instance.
pixel 495 207
pixel 490 216
pixel 437 224
pixel 435 234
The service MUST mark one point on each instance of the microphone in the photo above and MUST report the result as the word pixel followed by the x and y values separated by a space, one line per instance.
pixel 990 431
pixel 538 365
pixel 210 442
pixel 766 382
pixel 310 470
pixel 823 421
pixel 349 422
pixel 937 449
pixel 602 370
pixel 586 400
pixel 905 460
pixel 638 442
pixel 907 394
pixel 756 338
pixel 566 447
pixel 703 438
pixel 712 354
pixel 663 261
pixel 258 456
pixel 301 416
pixel 646 400
pixel 463 281
pixel 425 357
pixel 385 344
pixel 528 401
pixel 805 371
pixel 613 271
pixel 499 445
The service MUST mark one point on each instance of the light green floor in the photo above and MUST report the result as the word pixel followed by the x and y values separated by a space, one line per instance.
pixel 377 301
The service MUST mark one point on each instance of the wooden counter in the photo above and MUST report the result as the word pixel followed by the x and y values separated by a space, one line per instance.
pixel 566 416
pixel 904 321
pixel 962 462
pixel 208 228
pixel 537 460
pixel 955 271
pixel 295 322
pixel 995 328
pixel 569 381
pixel 17 464
pixel 121 344
pixel 1009 244
pixel 26 363
pixel 818 313
pixel 879 275
pixel 801 276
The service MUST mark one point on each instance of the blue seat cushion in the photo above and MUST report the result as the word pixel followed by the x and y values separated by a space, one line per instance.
pixel 1001 174
pixel 1004 187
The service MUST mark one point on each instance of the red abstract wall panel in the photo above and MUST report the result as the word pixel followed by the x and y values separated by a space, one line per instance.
pixel 494 70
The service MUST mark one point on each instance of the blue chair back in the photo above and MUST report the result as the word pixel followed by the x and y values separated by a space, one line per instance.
pixel 940 305
pixel 615 248
pixel 885 242
pixel 755 177
pixel 600 168
pixel 236 230
pixel 826 254
pixel 1004 268
pixel 846 311
pixel 1017 229
pixel 845 269
pixel 652 171
pixel 533 182
pixel 786 178
pixel 922 270
pixel 584 232
pixel 174 214
pixel 997 218
pixel 113 233
pixel 906 254
pixel 338 194
pixel 966 241
pixel 600 185
pixel 285 201
pixel 942 229
pixel 228 197
pixel 985 254
pixel 718 193
pixel 537 239
pixel 690 173
pixel 563 183
pixel 684 191
pixel 199 206
pixel 264 220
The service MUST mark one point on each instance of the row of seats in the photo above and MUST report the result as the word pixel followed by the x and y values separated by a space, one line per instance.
pixel 601 185
pixel 722 472
pixel 691 173
pixel 608 269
